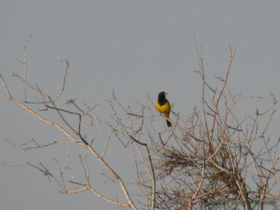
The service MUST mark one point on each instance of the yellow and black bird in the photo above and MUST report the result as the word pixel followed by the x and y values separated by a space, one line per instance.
pixel 163 106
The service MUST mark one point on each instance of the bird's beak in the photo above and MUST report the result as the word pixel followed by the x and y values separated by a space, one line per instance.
pixel 166 93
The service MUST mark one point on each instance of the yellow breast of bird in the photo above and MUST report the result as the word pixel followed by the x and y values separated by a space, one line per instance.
pixel 165 108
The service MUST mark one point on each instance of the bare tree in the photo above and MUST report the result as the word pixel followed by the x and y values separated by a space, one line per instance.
pixel 215 163
pixel 212 162
pixel 73 130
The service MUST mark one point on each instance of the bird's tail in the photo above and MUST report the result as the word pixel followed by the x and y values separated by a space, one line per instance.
pixel 168 123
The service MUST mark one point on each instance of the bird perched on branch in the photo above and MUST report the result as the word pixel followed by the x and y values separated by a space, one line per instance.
pixel 164 107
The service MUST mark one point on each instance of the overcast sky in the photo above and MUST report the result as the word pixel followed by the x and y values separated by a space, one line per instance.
pixel 134 48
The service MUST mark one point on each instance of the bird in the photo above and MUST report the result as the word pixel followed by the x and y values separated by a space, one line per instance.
pixel 163 106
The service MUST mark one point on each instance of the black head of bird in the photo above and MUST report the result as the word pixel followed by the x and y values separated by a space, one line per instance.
pixel 161 97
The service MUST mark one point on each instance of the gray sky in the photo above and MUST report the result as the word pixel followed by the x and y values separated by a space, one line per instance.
pixel 134 47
